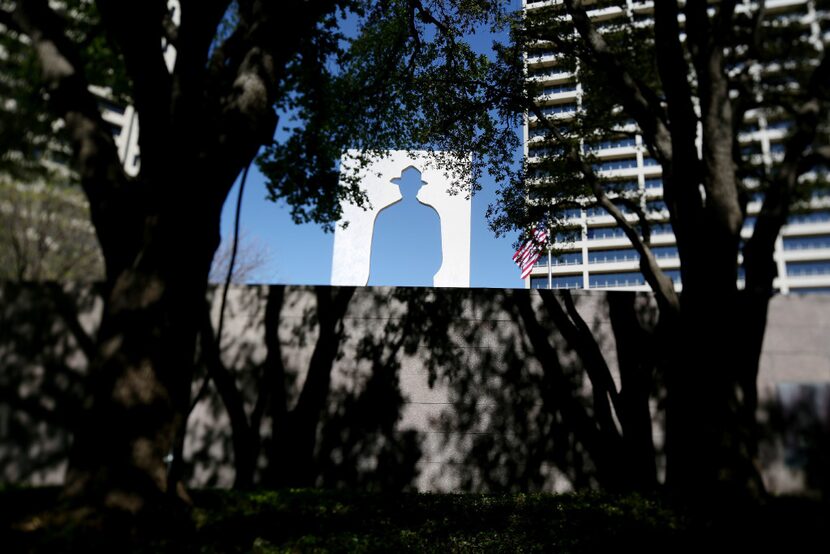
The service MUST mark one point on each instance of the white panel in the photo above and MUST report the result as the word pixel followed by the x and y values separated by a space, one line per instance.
pixel 353 244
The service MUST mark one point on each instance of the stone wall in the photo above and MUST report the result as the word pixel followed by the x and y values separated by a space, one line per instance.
pixel 432 389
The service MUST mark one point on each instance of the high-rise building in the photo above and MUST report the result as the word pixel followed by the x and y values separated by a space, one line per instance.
pixel 601 257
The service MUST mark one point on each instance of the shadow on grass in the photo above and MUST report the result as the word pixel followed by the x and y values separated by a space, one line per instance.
pixel 337 521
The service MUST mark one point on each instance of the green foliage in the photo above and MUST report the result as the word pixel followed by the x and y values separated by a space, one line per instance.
pixel 772 70
pixel 329 521
pixel 405 79
pixel 45 234
pixel 25 128
pixel 300 520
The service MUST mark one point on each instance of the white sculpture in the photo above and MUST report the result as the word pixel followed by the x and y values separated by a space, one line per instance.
pixel 353 245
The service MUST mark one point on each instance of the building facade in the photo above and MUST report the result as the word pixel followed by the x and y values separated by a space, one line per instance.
pixel 601 257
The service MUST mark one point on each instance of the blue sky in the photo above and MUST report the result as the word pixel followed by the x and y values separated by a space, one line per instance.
pixel 302 254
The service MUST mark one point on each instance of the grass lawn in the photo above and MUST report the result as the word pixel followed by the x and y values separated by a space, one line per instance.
pixel 337 521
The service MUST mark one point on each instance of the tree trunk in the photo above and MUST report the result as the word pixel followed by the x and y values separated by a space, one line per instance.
pixel 140 378
pixel 637 360
pixel 710 426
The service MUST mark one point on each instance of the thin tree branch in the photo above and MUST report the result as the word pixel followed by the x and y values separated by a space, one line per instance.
pixel 758 29
pixel 137 28
pixel 680 190
pixel 724 22
pixel 758 251
pixel 170 29
pixel 634 95
pixel 7 20
pixel 659 282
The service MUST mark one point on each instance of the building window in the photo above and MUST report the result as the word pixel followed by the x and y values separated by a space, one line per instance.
pixel 807 243
pixel 803 269
pixel 813 217
pixel 538 282
pixel 611 165
pixel 663 252
pixel 608 280
pixel 661 229
pixel 599 211
pixel 558 109
pixel 543 72
pixel 609 144
pixel 611 256
pixel 567 282
pixel 605 233
pixel 674 275
pixel 558 89
pixel 567 258
pixel 656 206
pixel 810 290
pixel 630 185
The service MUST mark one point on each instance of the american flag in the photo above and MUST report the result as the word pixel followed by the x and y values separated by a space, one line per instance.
pixel 530 251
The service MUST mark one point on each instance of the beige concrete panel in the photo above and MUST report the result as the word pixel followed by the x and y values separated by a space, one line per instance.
pixel 795 340
pixel 799 311
pixel 794 367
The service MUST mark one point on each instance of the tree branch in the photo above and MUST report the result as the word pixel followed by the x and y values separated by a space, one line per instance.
pixel 659 282
pixel 724 21
pixel 722 213
pixel 634 95
pixel 102 176
pixel 758 28
pixel 8 21
pixel 137 30
pixel 760 271
pixel 170 29
pixel 674 75
pixel 246 72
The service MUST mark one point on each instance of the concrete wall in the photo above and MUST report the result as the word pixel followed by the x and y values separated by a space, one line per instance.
pixel 433 389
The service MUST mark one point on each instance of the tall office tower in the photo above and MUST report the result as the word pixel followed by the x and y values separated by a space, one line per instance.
pixel 601 257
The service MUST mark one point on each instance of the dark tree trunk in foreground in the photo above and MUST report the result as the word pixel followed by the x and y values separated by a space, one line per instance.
pixel 711 401
pixel 200 125
pixel 140 380
pixel 690 122
pixel 638 353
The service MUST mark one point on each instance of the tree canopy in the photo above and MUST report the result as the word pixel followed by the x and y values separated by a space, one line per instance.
pixel 644 73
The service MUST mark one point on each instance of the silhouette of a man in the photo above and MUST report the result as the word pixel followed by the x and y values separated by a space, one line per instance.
pixel 406 242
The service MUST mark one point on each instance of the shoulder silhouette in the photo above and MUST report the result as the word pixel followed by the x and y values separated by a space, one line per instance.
pixel 406 242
